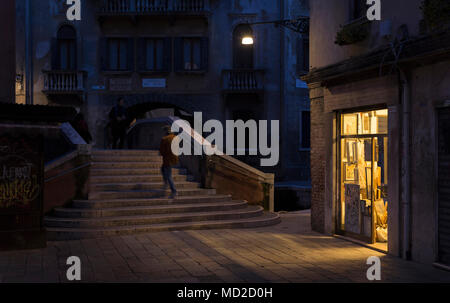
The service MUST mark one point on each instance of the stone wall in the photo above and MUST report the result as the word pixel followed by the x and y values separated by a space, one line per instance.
pixel 318 151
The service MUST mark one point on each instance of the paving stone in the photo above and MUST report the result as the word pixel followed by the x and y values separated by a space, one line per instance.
pixel 288 252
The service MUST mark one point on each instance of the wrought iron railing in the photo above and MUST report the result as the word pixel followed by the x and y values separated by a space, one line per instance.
pixel 243 80
pixel 63 81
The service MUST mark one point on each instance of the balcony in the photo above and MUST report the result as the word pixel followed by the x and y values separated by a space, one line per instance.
pixel 153 7
pixel 60 82
pixel 243 80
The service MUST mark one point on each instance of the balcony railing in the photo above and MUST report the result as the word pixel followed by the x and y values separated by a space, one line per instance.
pixel 242 80
pixel 142 7
pixel 63 82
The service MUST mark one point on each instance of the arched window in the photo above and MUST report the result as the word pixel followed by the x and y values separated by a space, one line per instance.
pixel 242 53
pixel 65 57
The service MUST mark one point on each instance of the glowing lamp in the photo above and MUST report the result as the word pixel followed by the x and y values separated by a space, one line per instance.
pixel 247 40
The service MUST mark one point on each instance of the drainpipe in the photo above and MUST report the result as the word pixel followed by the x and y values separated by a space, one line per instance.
pixel 28 54
pixel 406 176
pixel 282 86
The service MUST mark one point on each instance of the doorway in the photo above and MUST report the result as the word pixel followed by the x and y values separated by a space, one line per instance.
pixel 362 176
pixel 444 186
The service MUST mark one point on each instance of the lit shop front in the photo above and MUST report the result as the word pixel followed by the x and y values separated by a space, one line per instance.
pixel 362 175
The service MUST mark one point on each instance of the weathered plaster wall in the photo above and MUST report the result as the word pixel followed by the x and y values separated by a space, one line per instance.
pixel 328 15
pixel 429 86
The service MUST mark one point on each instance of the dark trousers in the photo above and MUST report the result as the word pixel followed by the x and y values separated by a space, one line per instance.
pixel 118 135
pixel 167 177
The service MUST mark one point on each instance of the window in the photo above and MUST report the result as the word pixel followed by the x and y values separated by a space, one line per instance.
pixel 191 54
pixel 154 49
pixel 155 54
pixel 305 130
pixel 64 49
pixel 118 54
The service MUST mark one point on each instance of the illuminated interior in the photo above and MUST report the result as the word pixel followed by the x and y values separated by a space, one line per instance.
pixel 363 160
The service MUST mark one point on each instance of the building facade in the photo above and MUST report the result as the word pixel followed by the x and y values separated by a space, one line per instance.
pixel 7 74
pixel 178 56
pixel 380 93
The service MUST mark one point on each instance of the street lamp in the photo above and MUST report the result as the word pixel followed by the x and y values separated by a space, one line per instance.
pixel 247 40
pixel 299 25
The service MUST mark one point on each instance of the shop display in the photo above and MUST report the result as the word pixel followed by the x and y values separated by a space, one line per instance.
pixel 364 174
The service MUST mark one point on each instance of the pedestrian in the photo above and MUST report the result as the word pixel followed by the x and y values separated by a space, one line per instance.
pixel 169 160
pixel 118 123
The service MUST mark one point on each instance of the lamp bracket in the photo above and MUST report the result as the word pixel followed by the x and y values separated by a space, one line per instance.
pixel 299 25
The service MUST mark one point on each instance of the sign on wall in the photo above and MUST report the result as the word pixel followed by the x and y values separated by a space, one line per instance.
pixel 120 84
pixel 154 83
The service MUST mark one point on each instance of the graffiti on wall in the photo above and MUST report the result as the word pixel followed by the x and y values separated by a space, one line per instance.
pixel 20 174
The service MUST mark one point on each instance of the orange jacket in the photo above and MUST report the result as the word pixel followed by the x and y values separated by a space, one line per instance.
pixel 165 148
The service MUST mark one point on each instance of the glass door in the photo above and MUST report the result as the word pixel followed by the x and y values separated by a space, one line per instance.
pixel 362 176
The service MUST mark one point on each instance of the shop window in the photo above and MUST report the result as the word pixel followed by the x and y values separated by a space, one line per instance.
pixel 363 165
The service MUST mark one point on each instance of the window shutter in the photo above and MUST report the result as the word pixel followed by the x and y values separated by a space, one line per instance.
pixel 205 53
pixel 178 51
pixel 167 65
pixel 142 57
pixel 130 54
pixel 103 54
pixel 55 54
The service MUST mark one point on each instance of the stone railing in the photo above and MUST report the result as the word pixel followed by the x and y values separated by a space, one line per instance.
pixel 243 80
pixel 66 176
pixel 63 81
pixel 224 173
pixel 139 7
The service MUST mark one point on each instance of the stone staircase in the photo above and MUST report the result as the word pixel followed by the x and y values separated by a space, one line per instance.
pixel 126 197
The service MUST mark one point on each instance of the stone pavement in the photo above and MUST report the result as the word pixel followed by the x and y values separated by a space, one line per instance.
pixel 288 252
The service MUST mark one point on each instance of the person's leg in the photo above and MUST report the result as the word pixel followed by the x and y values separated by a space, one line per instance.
pixel 115 135
pixel 164 175
pixel 170 181
pixel 122 137
pixel 114 140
